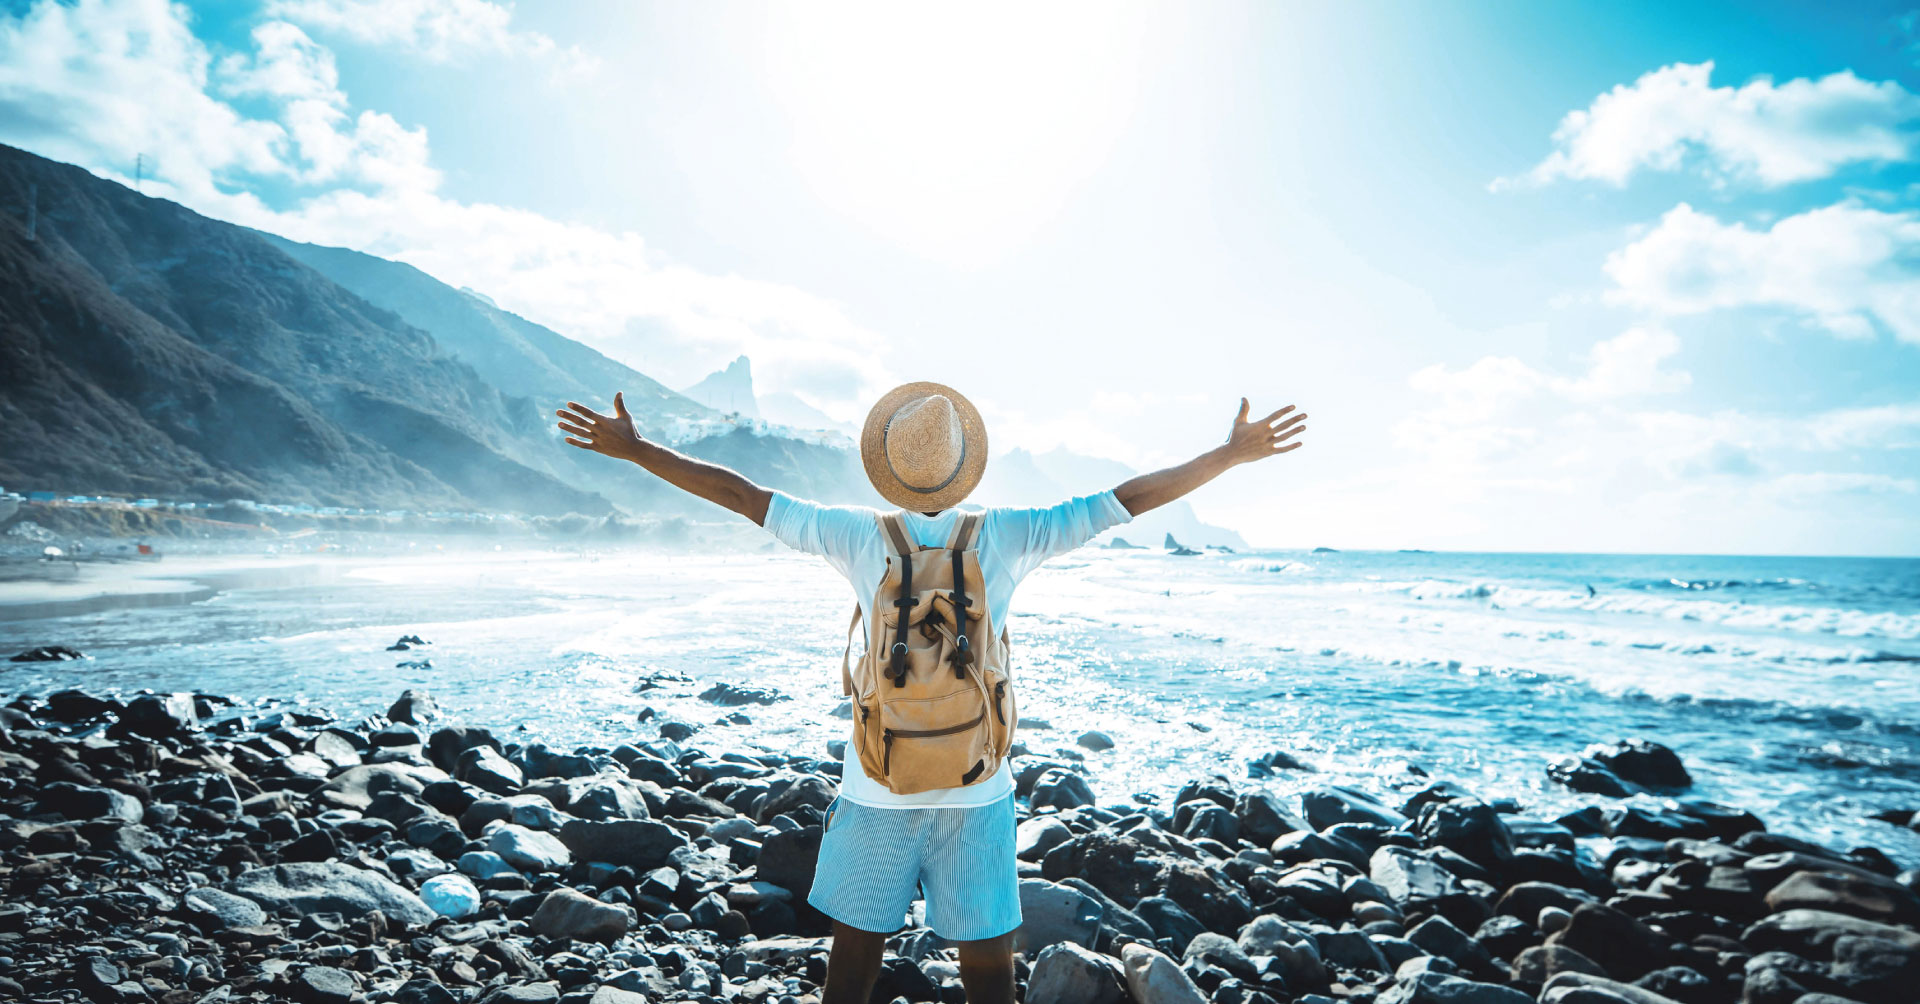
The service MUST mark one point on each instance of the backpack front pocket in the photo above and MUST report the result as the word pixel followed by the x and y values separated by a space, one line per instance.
pixel 937 742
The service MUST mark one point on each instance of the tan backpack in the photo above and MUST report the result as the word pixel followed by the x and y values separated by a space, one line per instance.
pixel 932 703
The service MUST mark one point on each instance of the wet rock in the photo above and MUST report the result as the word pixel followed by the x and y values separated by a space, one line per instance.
pixel 1155 979
pixel 1441 988
pixel 1065 973
pixel 160 715
pixel 787 859
pixel 485 768
pixel 598 797
pixel 1470 828
pixel 1411 878
pixel 446 744
pixel 1263 819
pixel 640 844
pixel 1329 806
pixel 1623 768
pixel 423 991
pixel 523 993
pixel 677 731
pixel 414 707
pixel 529 850
pixel 1535 966
pixel 1582 988
pixel 569 913
pixel 1874 969
pixel 805 791
pixel 1438 936
pixel 1813 933
pixel 1352 951
pixel 49 653
pixel 1858 894
pixel 1169 920
pixel 1062 789
pixel 1053 913
pixel 1094 739
pixel 731 695
pixel 329 887
pixel 1269 764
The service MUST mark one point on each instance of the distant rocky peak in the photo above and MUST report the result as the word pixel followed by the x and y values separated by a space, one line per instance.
pixel 729 389
pixel 482 297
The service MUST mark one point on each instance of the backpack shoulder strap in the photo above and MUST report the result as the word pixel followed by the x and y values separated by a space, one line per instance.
pixel 846 657
pixel 896 531
pixel 963 531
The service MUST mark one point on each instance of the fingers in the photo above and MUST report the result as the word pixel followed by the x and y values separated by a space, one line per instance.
pixel 574 430
pixel 576 442
pixel 587 412
pixel 1244 408
pixel 620 406
pixel 1269 419
pixel 1295 420
pixel 1288 447
pixel 1288 434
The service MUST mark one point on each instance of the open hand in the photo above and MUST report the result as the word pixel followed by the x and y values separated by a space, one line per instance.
pixel 612 435
pixel 1266 437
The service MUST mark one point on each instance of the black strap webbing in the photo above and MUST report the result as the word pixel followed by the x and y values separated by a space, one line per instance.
pixel 897 665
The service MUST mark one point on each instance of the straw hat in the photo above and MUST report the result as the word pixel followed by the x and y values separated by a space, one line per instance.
pixel 924 447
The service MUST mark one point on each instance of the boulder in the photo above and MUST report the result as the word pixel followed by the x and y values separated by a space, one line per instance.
pixel 1052 913
pixel 569 913
pixel 1263 819
pixel 1269 764
pixel 446 745
pixel 451 895
pixel 1061 789
pixel 1469 828
pixel 1297 952
pixel 321 985
pixel 415 707
pixel 1440 988
pixel 1332 805
pixel 598 797
pixel 1065 973
pixel 787 859
pixel 79 801
pixel 1410 877
pixel 1437 936
pixel 160 715
pixel 806 790
pixel 640 844
pixel 1813 933
pixel 1155 979
pixel 1535 966
pixel 1620 944
pixel 356 787
pixel 730 695
pixel 1094 740
pixel 216 909
pixel 1859 894
pixel 1584 988
pixel 1035 837
pixel 529 850
pixel 485 768
pixel 1169 920
pixel 311 887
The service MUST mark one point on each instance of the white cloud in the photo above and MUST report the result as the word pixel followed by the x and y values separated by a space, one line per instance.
pixel 95 82
pixel 1845 267
pixel 1627 365
pixel 1771 134
pixel 439 30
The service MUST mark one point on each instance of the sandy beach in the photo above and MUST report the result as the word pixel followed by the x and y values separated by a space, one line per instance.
pixel 36 589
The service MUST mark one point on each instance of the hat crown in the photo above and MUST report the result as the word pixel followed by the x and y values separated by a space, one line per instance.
pixel 925 443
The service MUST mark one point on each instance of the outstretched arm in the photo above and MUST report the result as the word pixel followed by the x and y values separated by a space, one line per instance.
pixel 1247 442
pixel 614 436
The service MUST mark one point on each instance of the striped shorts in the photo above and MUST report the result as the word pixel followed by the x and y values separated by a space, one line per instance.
pixel 874 861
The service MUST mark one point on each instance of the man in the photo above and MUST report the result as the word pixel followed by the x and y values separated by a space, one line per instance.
pixel 925 448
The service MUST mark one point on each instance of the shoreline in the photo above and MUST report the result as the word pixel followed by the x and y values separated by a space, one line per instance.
pixel 34 593
pixel 268 853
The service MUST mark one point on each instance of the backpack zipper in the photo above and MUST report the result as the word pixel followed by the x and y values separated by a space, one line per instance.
pixel 887 737
pixel 999 692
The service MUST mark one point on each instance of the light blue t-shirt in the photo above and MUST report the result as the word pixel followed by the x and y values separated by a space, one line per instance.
pixel 1011 543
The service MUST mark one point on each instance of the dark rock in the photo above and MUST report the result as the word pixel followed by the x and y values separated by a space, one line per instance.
pixel 1622 945
pixel 76 705
pixel 1470 828
pixel 330 887
pixel 485 768
pixel 806 790
pixel 1328 806
pixel 640 844
pixel 160 715
pixel 1065 973
pixel 446 745
pixel 1352 951
pixel 677 731
pixel 415 707
pixel 1061 789
pixel 569 913
pixel 356 787
pixel 1679 983
pixel 423 991
pixel 731 695
pixel 1505 937
pixel 1437 936
pixel 1535 966
pixel 321 985
pixel 49 653
pixel 320 845
pixel 1583 988
pixel 1168 919
pixel 1867 896
pixel 787 859
pixel 1269 764
pixel 523 993
pixel 1095 740
pixel 1411 878
pixel 78 801
pixel 1211 822
pixel 1525 900
pixel 1263 819
pixel 599 797
pixel 1441 988
pixel 1813 933
pixel 1875 970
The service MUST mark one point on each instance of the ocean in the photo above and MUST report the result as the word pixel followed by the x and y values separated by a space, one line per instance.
pixel 1789 686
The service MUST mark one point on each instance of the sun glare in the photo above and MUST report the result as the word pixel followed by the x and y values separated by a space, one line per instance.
pixel 953 131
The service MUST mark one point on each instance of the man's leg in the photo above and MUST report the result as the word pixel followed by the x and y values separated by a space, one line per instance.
pixel 986 969
pixel 854 964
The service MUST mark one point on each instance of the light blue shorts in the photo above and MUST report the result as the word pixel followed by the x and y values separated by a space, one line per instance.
pixel 874 861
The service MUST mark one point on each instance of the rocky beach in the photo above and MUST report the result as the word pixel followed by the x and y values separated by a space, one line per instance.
pixel 183 847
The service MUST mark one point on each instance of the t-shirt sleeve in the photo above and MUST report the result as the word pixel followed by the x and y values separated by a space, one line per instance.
pixel 834 532
pixel 1025 538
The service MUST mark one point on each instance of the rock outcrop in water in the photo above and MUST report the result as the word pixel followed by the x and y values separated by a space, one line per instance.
pixel 174 848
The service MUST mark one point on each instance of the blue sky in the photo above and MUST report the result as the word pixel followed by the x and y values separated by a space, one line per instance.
pixel 1637 277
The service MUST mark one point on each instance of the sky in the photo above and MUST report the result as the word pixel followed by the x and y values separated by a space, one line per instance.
pixel 1637 277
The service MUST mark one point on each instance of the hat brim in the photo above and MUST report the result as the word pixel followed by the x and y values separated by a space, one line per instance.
pixel 873 450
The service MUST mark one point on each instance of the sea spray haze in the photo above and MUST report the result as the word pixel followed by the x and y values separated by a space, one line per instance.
pixel 1788 685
